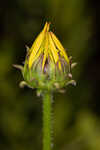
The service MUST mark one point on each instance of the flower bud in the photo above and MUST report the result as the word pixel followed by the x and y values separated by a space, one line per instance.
pixel 47 65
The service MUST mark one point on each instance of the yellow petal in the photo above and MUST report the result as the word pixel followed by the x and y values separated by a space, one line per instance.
pixel 45 51
pixel 59 65
pixel 59 46
pixel 53 49
pixel 50 54
pixel 37 43
pixel 40 51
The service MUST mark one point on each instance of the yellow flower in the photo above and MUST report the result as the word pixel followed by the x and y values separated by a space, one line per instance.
pixel 48 47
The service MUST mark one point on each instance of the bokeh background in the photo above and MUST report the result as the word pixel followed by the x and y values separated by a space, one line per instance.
pixel 76 112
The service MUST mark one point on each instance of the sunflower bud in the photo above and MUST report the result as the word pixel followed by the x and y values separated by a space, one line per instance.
pixel 47 65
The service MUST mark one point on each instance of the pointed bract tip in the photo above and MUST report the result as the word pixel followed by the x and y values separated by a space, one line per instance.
pixel 22 84
pixel 27 48
pixel 18 67
pixel 73 82
pixel 73 65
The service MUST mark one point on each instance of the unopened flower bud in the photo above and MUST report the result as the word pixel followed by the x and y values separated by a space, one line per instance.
pixel 47 65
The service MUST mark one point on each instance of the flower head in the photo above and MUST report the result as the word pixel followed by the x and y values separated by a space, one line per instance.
pixel 47 64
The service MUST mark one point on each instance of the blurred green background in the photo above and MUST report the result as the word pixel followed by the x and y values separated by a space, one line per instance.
pixel 76 112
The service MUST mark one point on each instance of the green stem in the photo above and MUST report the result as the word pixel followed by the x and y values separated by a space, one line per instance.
pixel 47 124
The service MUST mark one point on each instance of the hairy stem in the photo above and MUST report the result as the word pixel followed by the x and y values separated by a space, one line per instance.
pixel 47 122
